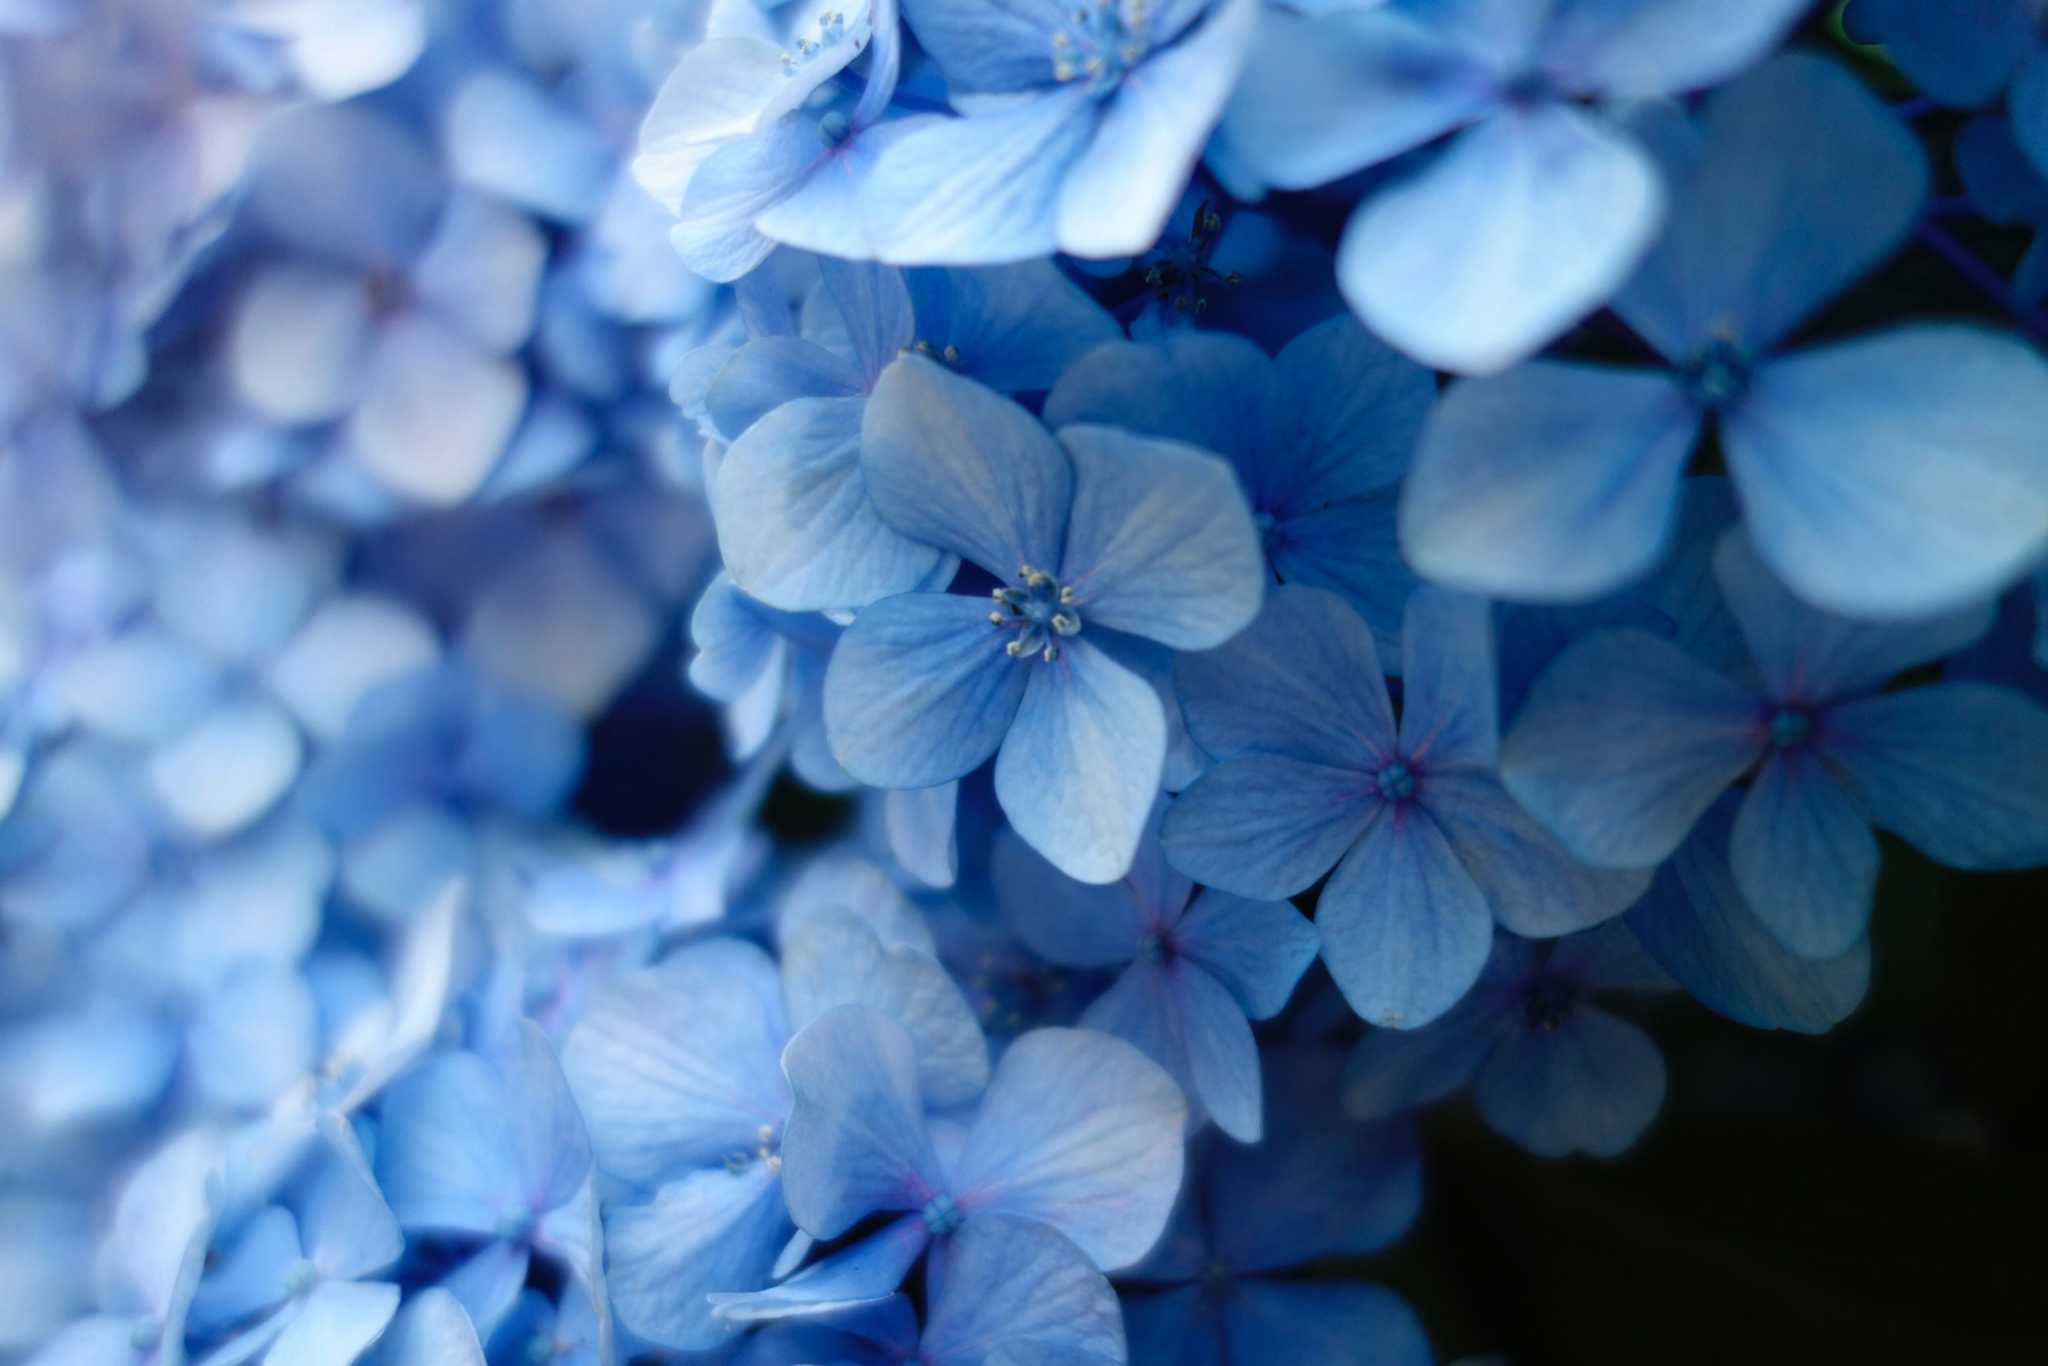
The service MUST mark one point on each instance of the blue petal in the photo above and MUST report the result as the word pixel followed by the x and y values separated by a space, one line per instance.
pixel 874 304
pixel 1079 769
pixel 1121 190
pixel 714 1230
pixel 796 523
pixel 1592 1085
pixel 1622 744
pixel 1351 410
pixel 1222 1057
pixel 1804 857
pixel 2028 105
pixel 1698 925
pixel 1630 51
pixel 1405 929
pixel 1959 771
pixel 1017 1292
pixel 870 1270
pixel 1522 226
pixel 856 1141
pixel 251 1274
pixel 676 1066
pixel 505 135
pixel 346 1229
pixel 1810 656
pixel 419 445
pixel 832 957
pixel 1075 924
pixel 1302 680
pixel 1257 949
pixel 1551 483
pixel 1015 328
pixel 346 182
pixel 1213 390
pixel 714 233
pixel 1082 1132
pixel 768 372
pixel 228 770
pixel 735 644
pixel 1897 475
pixel 297 341
pixel 1807 182
pixel 337 1323
pixel 980 190
pixel 1304 1322
pixel 920 690
pixel 1315 1187
pixel 1323 96
pixel 1266 825
pixel 919 824
pixel 824 213
pixel 1533 885
pixel 1160 542
pixel 481 272
pixel 253 1037
pixel 992 47
pixel 1173 1328
pixel 1962 52
pixel 1450 707
pixel 954 465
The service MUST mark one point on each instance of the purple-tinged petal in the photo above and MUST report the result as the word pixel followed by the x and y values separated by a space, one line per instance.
pixel 1534 885
pixel 1405 930
pixel 713 1230
pixel 1323 1321
pixel 1266 825
pixel 1624 742
pixel 1016 1293
pixel 1257 949
pixel 1804 857
pixel 1450 703
pixel 1591 1085
pixel 1074 924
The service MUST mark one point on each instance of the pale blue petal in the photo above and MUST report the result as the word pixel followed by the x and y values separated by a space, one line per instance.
pixel 920 690
pixel 1897 475
pixel 1222 1057
pixel 1075 924
pixel 1810 656
pixel 955 465
pixel 1257 949
pixel 1016 1293
pixel 1591 1085
pixel 1807 181
pixel 488 1283
pixel 481 272
pixel 1213 390
pixel 998 46
pixel 297 342
pixel 1324 96
pixel 713 1230
pixel 1522 226
pixel 447 1156
pixel 1697 924
pixel 253 1037
pixel 1302 680
pixel 1405 930
pixel 505 135
pixel 1323 1323
pixel 1533 885
pixel 677 1065
pixel 832 957
pixel 824 213
pixel 1551 483
pixel 346 182
pixel 714 233
pixel 249 1275
pixel 856 1141
pixel 407 433
pixel 1081 765
pixel 1350 410
pixel 1082 1132
pixel 718 92
pixel 796 524
pixel 919 823
pixel 1624 742
pixel 236 764
pixel 1120 191
pixel 980 190
pixel 1623 49
pixel 1160 542
pixel 1267 825
pixel 432 1329
pixel 346 1228
pixel 337 1323
pixel 1352 548
pixel 1959 771
pixel 735 644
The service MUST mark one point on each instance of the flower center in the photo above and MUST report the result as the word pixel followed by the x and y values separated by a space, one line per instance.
pixel 831 31
pixel 941 1216
pixel 1719 375
pixel 1039 610
pixel 767 1151
pixel 1397 782
pixel 1098 43
pixel 1791 726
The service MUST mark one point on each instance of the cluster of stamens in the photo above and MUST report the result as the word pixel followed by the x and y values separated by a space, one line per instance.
pixel 949 353
pixel 1100 43
pixel 1180 275
pixel 1042 611
pixel 831 28
pixel 767 1151
pixel 1719 374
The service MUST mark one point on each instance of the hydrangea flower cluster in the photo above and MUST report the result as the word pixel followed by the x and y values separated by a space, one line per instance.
pixel 1296 563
